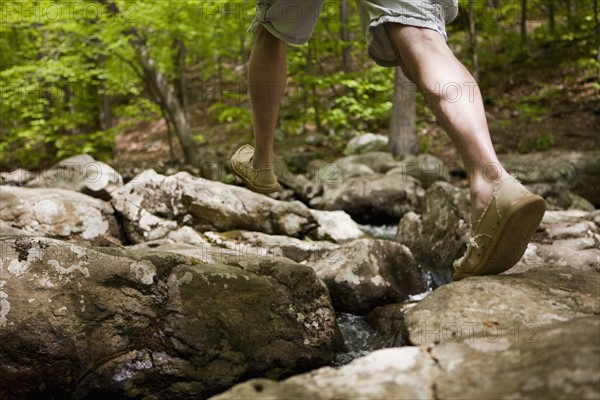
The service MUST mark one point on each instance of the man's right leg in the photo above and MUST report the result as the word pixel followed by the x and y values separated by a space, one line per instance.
pixel 267 74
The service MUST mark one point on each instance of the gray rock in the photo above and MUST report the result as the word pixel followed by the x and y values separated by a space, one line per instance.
pixel 377 161
pixel 424 167
pixel 81 174
pixel 17 177
pixel 559 197
pixel 368 273
pixel 565 238
pixel 399 373
pixel 79 322
pixel 375 198
pixel 366 143
pixel 152 206
pixel 440 234
pixel 545 366
pixel 578 170
pixel 57 213
pixel 503 305
pixel 560 361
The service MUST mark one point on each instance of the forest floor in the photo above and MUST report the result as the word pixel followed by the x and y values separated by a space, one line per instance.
pixel 543 104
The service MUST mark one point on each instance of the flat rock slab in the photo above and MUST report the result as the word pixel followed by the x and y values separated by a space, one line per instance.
pixel 510 306
pixel 78 321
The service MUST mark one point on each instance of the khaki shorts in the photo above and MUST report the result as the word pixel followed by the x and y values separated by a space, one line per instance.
pixel 294 20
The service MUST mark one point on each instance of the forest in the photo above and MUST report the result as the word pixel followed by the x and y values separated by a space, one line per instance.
pixel 111 78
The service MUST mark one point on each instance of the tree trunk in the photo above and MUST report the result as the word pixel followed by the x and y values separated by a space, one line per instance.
pixel 403 124
pixel 551 15
pixel 181 79
pixel 104 112
pixel 345 35
pixel 596 10
pixel 473 40
pixel 159 88
pixel 523 26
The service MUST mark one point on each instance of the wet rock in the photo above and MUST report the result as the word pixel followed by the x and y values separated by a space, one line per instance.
pixel 507 305
pixel 79 322
pixel 57 213
pixel 559 197
pixel 375 198
pixel 578 170
pixel 81 174
pixel 367 273
pixel 366 143
pixel 548 366
pixel 153 205
pixel 440 234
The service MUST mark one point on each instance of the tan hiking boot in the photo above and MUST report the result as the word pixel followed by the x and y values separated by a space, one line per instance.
pixel 503 231
pixel 261 180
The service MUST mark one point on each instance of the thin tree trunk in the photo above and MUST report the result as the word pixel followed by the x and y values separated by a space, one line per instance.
pixel 403 123
pixel 181 78
pixel 596 22
pixel 345 35
pixel 552 15
pixel 159 88
pixel 473 40
pixel 523 25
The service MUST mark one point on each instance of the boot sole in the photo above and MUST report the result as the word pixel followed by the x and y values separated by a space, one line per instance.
pixel 514 234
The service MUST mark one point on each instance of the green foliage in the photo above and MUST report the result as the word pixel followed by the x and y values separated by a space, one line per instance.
pixel 62 61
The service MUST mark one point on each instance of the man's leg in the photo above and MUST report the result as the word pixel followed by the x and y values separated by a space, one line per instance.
pixel 428 61
pixel 267 76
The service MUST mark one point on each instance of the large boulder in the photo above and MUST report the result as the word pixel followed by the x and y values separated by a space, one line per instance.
pixel 439 235
pixel 367 273
pixel 57 213
pixel 563 362
pixel 81 174
pixel 517 304
pixel 375 198
pixel 79 322
pixel 578 170
pixel 153 205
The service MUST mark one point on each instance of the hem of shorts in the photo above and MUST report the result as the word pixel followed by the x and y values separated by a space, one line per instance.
pixel 402 21
pixel 281 36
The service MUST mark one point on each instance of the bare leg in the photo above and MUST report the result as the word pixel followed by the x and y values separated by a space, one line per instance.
pixel 452 94
pixel 267 77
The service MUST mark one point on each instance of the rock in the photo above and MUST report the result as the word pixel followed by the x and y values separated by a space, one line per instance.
pixel 558 361
pixel 81 174
pixel 565 238
pixel 152 206
pixel 503 305
pixel 79 322
pixel 424 167
pixel 17 177
pixel 375 198
pixel 578 170
pixel 559 197
pixel 439 236
pixel 368 273
pixel 400 373
pixel 337 226
pixel 57 213
pixel 366 143
pixel 377 161
pixel 547 367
